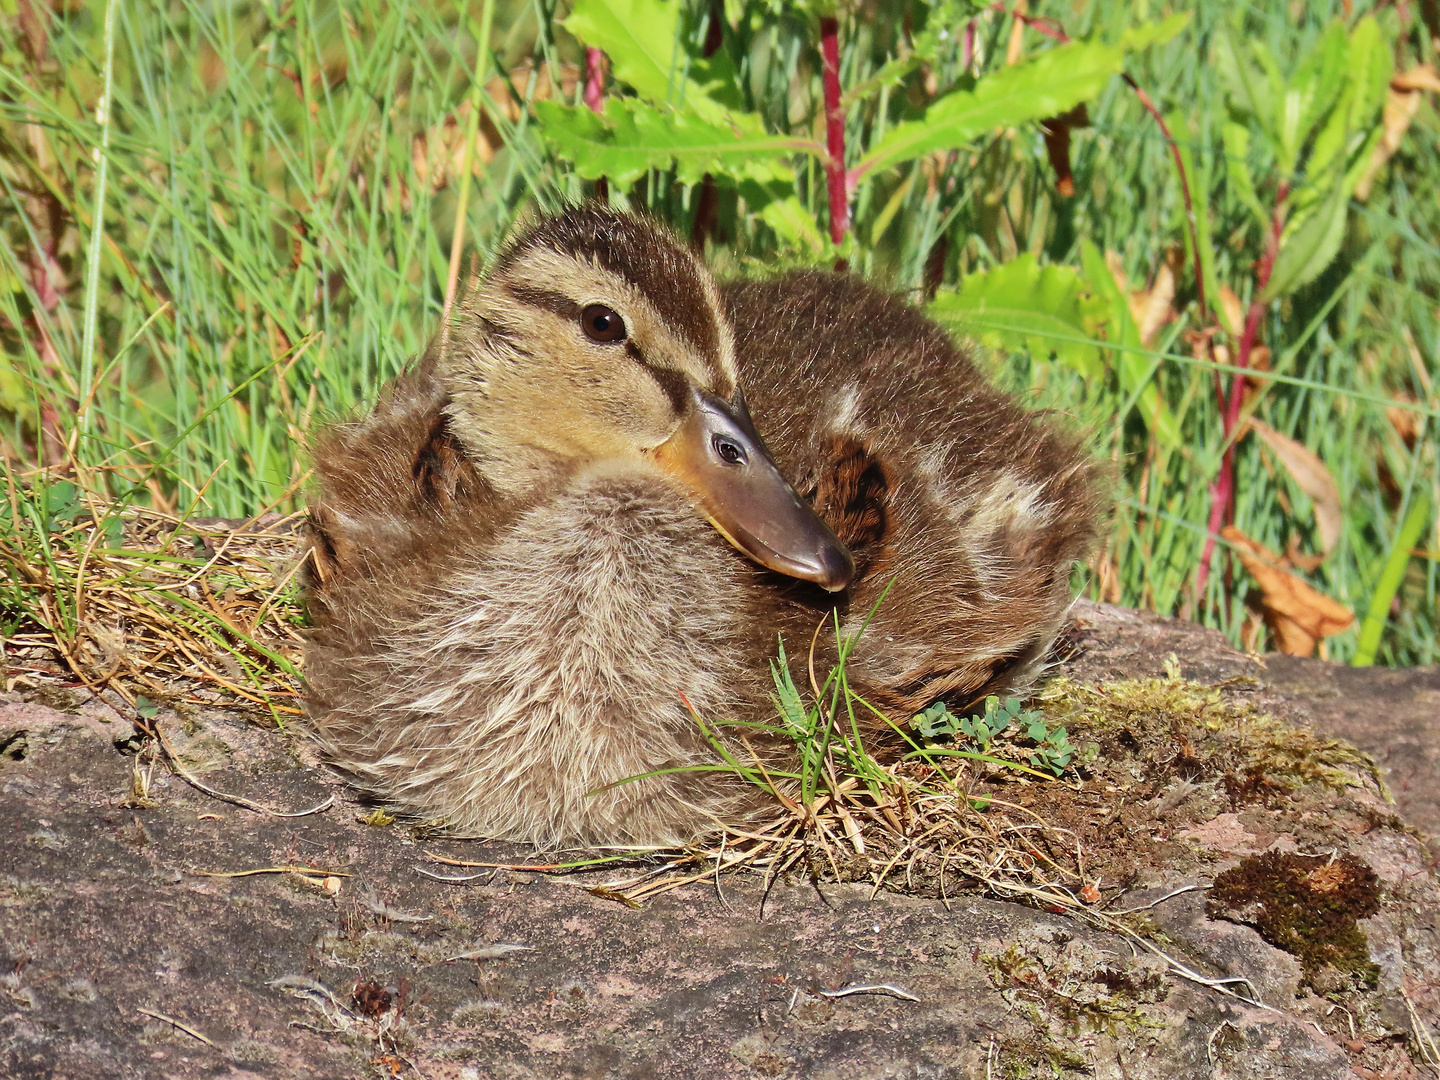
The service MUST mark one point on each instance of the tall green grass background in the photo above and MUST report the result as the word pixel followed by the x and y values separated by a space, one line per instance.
pixel 274 236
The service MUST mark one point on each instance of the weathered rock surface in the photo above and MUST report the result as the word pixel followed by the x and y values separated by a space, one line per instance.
pixel 120 956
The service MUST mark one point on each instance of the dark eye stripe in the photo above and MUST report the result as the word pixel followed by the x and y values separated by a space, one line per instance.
pixel 676 388
pixel 674 384
pixel 547 300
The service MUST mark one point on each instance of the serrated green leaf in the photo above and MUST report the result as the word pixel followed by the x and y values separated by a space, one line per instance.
pixel 1370 66
pixel 1044 86
pixel 1321 76
pixel 1306 252
pixel 1247 89
pixel 642 40
pixel 1347 132
pixel 640 37
pixel 697 146
pixel 597 146
pixel 1237 171
pixel 1332 139
pixel 632 137
pixel 1021 304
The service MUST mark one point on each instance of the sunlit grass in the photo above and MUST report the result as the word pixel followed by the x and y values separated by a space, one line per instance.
pixel 279 213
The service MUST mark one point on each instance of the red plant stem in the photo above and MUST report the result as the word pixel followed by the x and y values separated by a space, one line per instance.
pixel 1222 490
pixel 1047 26
pixel 834 129
pixel 595 99
pixel 594 79
pixel 1154 111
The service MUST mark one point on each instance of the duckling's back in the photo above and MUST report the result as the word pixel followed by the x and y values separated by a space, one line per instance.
pixel 968 509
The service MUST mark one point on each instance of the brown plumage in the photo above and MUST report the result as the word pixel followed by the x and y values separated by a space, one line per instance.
pixel 517 592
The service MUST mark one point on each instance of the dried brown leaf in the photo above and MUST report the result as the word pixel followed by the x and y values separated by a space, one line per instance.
pixel 1402 102
pixel 1310 473
pixel 1298 615
pixel 1405 421
pixel 1151 308
pixel 1016 49
pixel 1295 557
pixel 1419 77
pixel 1231 311
pixel 1117 271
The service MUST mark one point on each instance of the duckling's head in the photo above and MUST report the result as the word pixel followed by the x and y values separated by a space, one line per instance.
pixel 596 338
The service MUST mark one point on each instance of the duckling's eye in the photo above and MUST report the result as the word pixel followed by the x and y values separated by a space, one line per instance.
pixel 602 324
pixel 730 451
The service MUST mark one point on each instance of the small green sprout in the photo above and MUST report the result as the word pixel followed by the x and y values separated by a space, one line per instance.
pixel 1053 750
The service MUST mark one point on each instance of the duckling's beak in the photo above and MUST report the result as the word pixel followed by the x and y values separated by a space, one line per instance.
pixel 719 456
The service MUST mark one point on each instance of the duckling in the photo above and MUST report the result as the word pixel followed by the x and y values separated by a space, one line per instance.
pixel 560 538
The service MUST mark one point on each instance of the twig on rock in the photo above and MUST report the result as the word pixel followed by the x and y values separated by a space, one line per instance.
pixel 186 1028
pixel 870 988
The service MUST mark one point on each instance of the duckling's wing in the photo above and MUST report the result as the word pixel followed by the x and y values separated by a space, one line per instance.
pixel 391 487
pixel 970 510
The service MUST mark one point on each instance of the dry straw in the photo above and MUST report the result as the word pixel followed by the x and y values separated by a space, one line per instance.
pixel 141 604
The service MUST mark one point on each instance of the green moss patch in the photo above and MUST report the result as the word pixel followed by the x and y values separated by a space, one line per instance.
pixel 1199 732
pixel 1306 906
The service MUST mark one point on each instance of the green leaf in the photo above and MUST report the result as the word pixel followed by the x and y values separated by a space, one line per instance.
pixel 1370 66
pixel 1284 110
pixel 1143 36
pixel 1136 369
pixel 642 40
pixel 697 146
pixel 1392 574
pixel 1021 304
pixel 1311 247
pixel 597 146
pixel 788 702
pixel 1347 134
pixel 1045 86
pixel 778 206
pixel 1037 731
pixel 1321 76
pixel 937 722
pixel 1248 90
pixel 1237 171
pixel 632 137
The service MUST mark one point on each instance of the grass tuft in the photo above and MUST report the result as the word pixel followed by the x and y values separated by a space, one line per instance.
pixel 148 607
